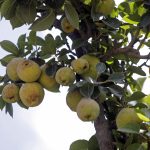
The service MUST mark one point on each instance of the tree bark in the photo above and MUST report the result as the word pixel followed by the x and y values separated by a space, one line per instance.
pixel 103 132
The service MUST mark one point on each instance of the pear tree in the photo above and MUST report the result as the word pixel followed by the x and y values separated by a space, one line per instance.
pixel 101 54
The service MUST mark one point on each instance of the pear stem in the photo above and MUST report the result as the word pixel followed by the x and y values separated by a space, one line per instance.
pixel 103 132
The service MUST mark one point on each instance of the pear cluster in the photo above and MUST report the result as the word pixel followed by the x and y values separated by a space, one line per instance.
pixel 24 86
pixel 28 81
pixel 84 66
pixel 87 109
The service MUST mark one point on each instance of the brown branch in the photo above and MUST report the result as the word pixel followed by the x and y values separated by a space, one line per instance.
pixel 128 51
pixel 103 132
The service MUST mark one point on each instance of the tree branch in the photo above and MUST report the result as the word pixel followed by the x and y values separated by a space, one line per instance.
pixel 103 132
pixel 128 51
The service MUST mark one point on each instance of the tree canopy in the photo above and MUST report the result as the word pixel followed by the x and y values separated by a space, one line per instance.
pixel 99 49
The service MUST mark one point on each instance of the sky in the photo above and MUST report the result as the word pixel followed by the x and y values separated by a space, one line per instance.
pixel 50 126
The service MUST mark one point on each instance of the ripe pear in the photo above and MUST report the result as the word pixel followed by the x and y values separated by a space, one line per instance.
pixel 28 71
pixel 66 26
pixel 105 6
pixel 73 98
pixel 80 65
pixel 10 93
pixel 92 61
pixel 88 109
pixel 31 94
pixel 11 68
pixel 48 82
pixel 65 76
pixel 127 116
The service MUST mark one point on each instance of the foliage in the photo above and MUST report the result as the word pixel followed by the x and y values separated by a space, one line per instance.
pixel 117 40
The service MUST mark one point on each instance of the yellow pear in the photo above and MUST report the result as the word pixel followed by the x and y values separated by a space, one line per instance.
pixel 105 6
pixel 10 93
pixel 88 109
pixel 11 68
pixel 65 76
pixel 73 98
pixel 48 82
pixel 127 116
pixel 66 26
pixel 28 71
pixel 80 65
pixel 92 61
pixel 31 94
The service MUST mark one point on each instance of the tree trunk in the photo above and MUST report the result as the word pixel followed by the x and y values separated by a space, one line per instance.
pixel 103 132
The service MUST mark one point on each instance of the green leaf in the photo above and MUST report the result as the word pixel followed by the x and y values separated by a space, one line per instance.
pixel 96 93
pixel 130 128
pixel 103 95
pixel 116 77
pixel 27 12
pixel 32 38
pixel 44 22
pixel 59 42
pixel 130 20
pixel 140 82
pixel 51 69
pixel 40 41
pixel 136 146
pixel 5 60
pixel 1 78
pixel 93 143
pixel 136 96
pixel 116 90
pixel 87 89
pixel 137 70
pixel 9 47
pixel 71 14
pixel 129 140
pixel 81 83
pixel 146 99
pixel 50 44
pixel 86 2
pixel 145 21
pixel 143 114
pixel 143 117
pixel 95 16
pixel 8 8
pixel 100 67
pixel 16 22
pixel 2 103
pixel 125 7
pixel 112 22
pixel 21 42
pixel 1 88
pixel 79 145
pixel 9 109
